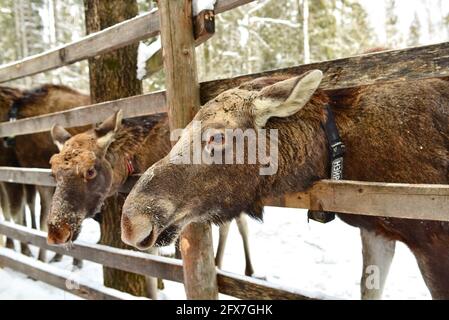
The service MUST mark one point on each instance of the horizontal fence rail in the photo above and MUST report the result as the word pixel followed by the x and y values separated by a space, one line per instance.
pixel 407 64
pixel 62 279
pixel 118 36
pixel 242 287
pixel 135 106
pixel 395 200
pixel 422 62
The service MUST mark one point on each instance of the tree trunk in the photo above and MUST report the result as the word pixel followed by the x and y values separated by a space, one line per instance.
pixel 113 76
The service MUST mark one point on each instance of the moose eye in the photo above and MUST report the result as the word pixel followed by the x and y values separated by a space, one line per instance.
pixel 217 138
pixel 91 173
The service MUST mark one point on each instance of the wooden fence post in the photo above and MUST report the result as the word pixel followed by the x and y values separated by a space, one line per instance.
pixel 183 99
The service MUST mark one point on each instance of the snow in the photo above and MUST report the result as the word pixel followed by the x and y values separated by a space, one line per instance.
pixel 200 5
pixel 145 52
pixel 324 260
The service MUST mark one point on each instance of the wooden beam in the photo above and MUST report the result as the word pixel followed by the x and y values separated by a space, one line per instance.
pixel 115 37
pixel 142 263
pixel 406 64
pixel 430 61
pixel 204 29
pixel 395 200
pixel 409 201
pixel 136 106
pixel 59 278
pixel 126 260
pixel 183 99
pixel 118 36
pixel 249 288
pixel 36 176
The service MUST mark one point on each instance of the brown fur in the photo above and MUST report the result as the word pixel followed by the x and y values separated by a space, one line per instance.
pixel 397 132
pixel 142 141
pixel 35 150
pixel 13 196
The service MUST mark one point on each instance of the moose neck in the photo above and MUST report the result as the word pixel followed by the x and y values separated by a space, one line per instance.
pixel 122 153
pixel 303 150
pixel 139 143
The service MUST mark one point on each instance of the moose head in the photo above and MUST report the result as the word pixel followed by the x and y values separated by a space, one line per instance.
pixel 83 170
pixel 173 193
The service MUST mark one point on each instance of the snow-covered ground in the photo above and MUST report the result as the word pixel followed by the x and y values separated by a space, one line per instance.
pixel 285 249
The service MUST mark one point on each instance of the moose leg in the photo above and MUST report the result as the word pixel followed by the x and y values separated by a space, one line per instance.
pixel 46 193
pixel 24 248
pixel 242 224
pixel 16 196
pixel 224 230
pixel 4 201
pixel 433 261
pixel 31 202
pixel 378 253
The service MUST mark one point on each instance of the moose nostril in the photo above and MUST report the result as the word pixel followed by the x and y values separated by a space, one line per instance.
pixel 58 235
pixel 134 227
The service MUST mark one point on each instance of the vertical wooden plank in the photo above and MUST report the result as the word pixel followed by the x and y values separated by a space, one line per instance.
pixel 183 99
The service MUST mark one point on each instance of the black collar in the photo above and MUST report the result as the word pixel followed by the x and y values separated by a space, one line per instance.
pixel 336 153
pixel 335 144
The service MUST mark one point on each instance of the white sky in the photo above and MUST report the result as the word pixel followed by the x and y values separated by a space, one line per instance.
pixel 406 10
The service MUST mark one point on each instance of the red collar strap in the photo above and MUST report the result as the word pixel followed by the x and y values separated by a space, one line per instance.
pixel 129 166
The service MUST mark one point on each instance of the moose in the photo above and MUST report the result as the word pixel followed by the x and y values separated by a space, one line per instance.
pixel 47 98
pixel 393 132
pixel 96 163
pixel 13 196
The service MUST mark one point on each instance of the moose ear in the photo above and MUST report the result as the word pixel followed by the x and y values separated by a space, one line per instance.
pixel 107 129
pixel 59 136
pixel 285 98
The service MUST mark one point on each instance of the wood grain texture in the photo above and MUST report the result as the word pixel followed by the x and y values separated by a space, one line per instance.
pixel 115 37
pixel 135 106
pixel 142 263
pixel 56 277
pixel 408 201
pixel 127 260
pixel 34 176
pixel 244 287
pixel 406 64
pixel 203 31
pixel 183 100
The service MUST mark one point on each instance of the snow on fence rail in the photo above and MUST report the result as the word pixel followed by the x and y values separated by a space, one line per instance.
pixel 242 287
pixel 118 36
pixel 430 61
pixel 59 278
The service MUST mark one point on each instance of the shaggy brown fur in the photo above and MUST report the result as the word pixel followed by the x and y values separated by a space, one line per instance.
pixel 396 132
pixel 44 100
pixel 79 195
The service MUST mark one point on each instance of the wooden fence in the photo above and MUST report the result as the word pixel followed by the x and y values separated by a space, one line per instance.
pixel 392 200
